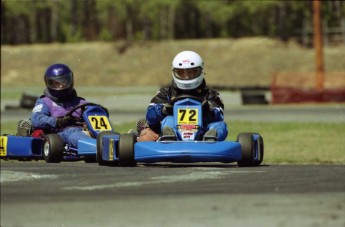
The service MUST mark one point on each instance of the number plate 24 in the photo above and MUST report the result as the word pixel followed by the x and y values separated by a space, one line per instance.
pixel 99 123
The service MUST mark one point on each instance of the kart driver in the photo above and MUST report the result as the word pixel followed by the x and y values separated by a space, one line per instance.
pixel 59 97
pixel 188 79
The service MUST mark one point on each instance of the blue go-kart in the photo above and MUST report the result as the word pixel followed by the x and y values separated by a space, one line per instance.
pixel 247 150
pixel 50 147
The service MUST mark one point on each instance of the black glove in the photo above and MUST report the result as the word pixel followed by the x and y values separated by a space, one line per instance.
pixel 62 122
pixel 167 109
pixel 207 106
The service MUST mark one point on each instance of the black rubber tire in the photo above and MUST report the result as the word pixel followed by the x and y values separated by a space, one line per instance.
pixel 100 149
pixel 28 101
pixel 253 97
pixel 53 148
pixel 126 150
pixel 247 147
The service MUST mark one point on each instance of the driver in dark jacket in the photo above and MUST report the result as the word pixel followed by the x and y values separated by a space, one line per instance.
pixel 188 79
pixel 49 113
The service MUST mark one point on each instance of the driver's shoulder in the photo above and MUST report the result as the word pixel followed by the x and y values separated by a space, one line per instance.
pixel 163 93
pixel 212 93
pixel 81 100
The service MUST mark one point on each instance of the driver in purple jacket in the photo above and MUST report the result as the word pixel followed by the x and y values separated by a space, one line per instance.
pixel 49 113
pixel 188 79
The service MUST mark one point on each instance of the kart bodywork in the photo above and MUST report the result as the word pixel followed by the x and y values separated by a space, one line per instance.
pixel 50 147
pixel 247 150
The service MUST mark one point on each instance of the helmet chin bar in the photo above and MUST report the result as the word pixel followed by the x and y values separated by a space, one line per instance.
pixel 60 94
pixel 189 84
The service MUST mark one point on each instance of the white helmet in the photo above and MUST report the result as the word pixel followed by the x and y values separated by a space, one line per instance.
pixel 188 70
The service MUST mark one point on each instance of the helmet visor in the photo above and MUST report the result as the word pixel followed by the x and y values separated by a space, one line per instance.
pixel 187 74
pixel 60 82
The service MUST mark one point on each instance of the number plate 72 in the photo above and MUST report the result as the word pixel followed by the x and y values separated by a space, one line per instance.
pixel 187 116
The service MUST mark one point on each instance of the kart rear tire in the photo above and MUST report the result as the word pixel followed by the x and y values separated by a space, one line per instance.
pixel 247 147
pixel 53 148
pixel 99 153
pixel 126 150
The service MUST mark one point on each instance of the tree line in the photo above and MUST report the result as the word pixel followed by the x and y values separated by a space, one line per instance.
pixel 47 21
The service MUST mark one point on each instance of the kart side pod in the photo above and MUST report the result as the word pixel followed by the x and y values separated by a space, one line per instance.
pixel 17 147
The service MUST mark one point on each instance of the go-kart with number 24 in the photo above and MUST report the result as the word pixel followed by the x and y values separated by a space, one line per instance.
pixel 50 147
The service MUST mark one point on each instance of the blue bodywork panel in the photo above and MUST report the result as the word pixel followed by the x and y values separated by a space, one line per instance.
pixel 96 120
pixel 188 119
pixel 87 147
pixel 176 151
pixel 21 147
pixel 195 151
pixel 110 145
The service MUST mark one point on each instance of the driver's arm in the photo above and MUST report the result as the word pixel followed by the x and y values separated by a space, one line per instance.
pixel 40 116
pixel 217 106
pixel 154 113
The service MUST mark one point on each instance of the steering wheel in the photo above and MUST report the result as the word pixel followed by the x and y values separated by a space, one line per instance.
pixel 204 102
pixel 172 101
pixel 83 107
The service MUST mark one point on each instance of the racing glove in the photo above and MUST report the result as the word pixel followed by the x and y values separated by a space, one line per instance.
pixel 214 112
pixel 217 114
pixel 62 122
pixel 167 109
pixel 207 106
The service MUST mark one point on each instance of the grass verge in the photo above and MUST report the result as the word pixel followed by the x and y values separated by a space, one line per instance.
pixel 292 143
pixel 301 143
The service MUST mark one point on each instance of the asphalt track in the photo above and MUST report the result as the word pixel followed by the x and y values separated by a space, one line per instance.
pixel 84 194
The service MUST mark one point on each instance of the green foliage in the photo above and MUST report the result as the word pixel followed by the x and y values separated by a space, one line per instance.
pixel 105 35
pixel 15 7
pixel 158 19
pixel 74 38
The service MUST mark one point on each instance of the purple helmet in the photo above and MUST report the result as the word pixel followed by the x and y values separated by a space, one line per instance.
pixel 59 80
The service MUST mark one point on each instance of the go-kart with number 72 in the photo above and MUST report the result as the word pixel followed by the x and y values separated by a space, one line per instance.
pixel 247 150
pixel 26 145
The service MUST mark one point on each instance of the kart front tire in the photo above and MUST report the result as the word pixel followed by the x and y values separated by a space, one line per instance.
pixel 247 147
pixel 126 150
pixel 53 148
pixel 99 140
